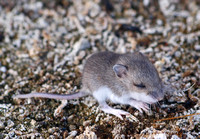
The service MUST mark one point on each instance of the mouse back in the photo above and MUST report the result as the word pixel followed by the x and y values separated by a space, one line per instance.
pixel 98 71
pixel 130 73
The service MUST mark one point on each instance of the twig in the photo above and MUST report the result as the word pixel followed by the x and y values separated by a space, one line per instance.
pixel 172 118
pixel 188 88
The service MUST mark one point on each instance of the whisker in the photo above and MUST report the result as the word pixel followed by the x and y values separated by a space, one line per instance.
pixel 158 104
pixel 154 97
pixel 189 87
pixel 184 90
pixel 149 108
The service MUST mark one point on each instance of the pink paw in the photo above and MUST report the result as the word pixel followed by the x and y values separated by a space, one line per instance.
pixel 140 106
pixel 119 113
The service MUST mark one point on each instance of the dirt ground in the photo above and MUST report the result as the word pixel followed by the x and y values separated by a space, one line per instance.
pixel 44 45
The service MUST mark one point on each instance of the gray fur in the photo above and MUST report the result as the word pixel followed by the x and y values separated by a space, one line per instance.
pixel 99 72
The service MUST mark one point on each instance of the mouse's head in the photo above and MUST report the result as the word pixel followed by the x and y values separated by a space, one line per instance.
pixel 141 78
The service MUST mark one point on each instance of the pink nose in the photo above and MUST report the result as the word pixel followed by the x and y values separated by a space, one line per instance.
pixel 160 98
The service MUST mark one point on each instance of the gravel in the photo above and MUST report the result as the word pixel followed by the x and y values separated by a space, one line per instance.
pixel 44 45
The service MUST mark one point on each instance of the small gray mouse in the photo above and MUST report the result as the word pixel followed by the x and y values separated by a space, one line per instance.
pixel 129 79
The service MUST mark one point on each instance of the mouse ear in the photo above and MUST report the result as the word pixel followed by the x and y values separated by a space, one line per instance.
pixel 120 70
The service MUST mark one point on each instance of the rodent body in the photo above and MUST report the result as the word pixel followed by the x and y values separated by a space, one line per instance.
pixel 129 79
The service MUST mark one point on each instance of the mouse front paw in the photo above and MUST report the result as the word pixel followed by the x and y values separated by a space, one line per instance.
pixel 140 106
pixel 117 112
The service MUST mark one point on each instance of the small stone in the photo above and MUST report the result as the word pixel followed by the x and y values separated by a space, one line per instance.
pixel 22 127
pixel 39 116
pixel 94 9
pixel 87 123
pixel 197 47
pixel 62 30
pixel 6 87
pixel 65 134
pixel 159 22
pixel 17 43
pixel 10 123
pixel 51 130
pixel 33 122
pixel 3 69
pixel 146 2
pixel 42 23
pixel 72 127
pixel 88 134
pixel 81 55
pixel 12 72
pixel 18 133
pixel 2 126
pixel 72 134
pixel 177 54
pixel 11 134
pixel 85 44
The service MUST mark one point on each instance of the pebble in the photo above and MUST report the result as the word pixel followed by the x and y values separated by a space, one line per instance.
pixel 33 122
pixel 87 123
pixel 175 137
pixel 177 54
pixel 70 118
pixel 88 134
pixel 2 126
pixel 42 23
pixel 85 44
pixel 72 127
pixel 11 134
pixel 197 47
pixel 3 69
pixel 10 123
pixel 39 116
pixel 94 9
pixel 51 130
pixel 13 72
pixel 72 134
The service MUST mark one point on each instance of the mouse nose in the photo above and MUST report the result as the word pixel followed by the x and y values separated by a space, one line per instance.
pixel 160 98
pixel 158 95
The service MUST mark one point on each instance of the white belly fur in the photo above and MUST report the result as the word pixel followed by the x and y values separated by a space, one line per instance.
pixel 104 93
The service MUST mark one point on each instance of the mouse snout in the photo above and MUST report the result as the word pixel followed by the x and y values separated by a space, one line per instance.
pixel 158 95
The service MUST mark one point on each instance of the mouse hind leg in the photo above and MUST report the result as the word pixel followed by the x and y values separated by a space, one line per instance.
pixel 104 93
pixel 117 112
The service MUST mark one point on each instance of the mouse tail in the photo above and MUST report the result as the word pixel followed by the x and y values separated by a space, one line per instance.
pixel 52 96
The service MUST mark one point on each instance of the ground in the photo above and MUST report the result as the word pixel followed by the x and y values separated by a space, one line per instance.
pixel 44 45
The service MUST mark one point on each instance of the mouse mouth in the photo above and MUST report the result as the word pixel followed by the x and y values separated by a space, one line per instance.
pixel 144 97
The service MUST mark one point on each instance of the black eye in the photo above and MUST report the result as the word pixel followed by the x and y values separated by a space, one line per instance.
pixel 140 85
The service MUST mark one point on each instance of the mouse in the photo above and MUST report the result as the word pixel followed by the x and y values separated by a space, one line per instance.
pixel 128 79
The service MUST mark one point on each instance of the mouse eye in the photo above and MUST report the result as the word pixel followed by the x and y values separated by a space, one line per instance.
pixel 142 86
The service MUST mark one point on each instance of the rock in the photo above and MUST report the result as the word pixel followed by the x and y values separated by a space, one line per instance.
pixel 3 69
pixel 2 126
pixel 72 134
pixel 87 123
pixel 177 54
pixel 85 44
pixel 10 123
pixel 88 134
pixel 197 47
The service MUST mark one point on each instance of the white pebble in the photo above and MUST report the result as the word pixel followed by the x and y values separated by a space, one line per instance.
pixel 175 137
pixel 177 54
pixel 3 69
pixel 197 47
